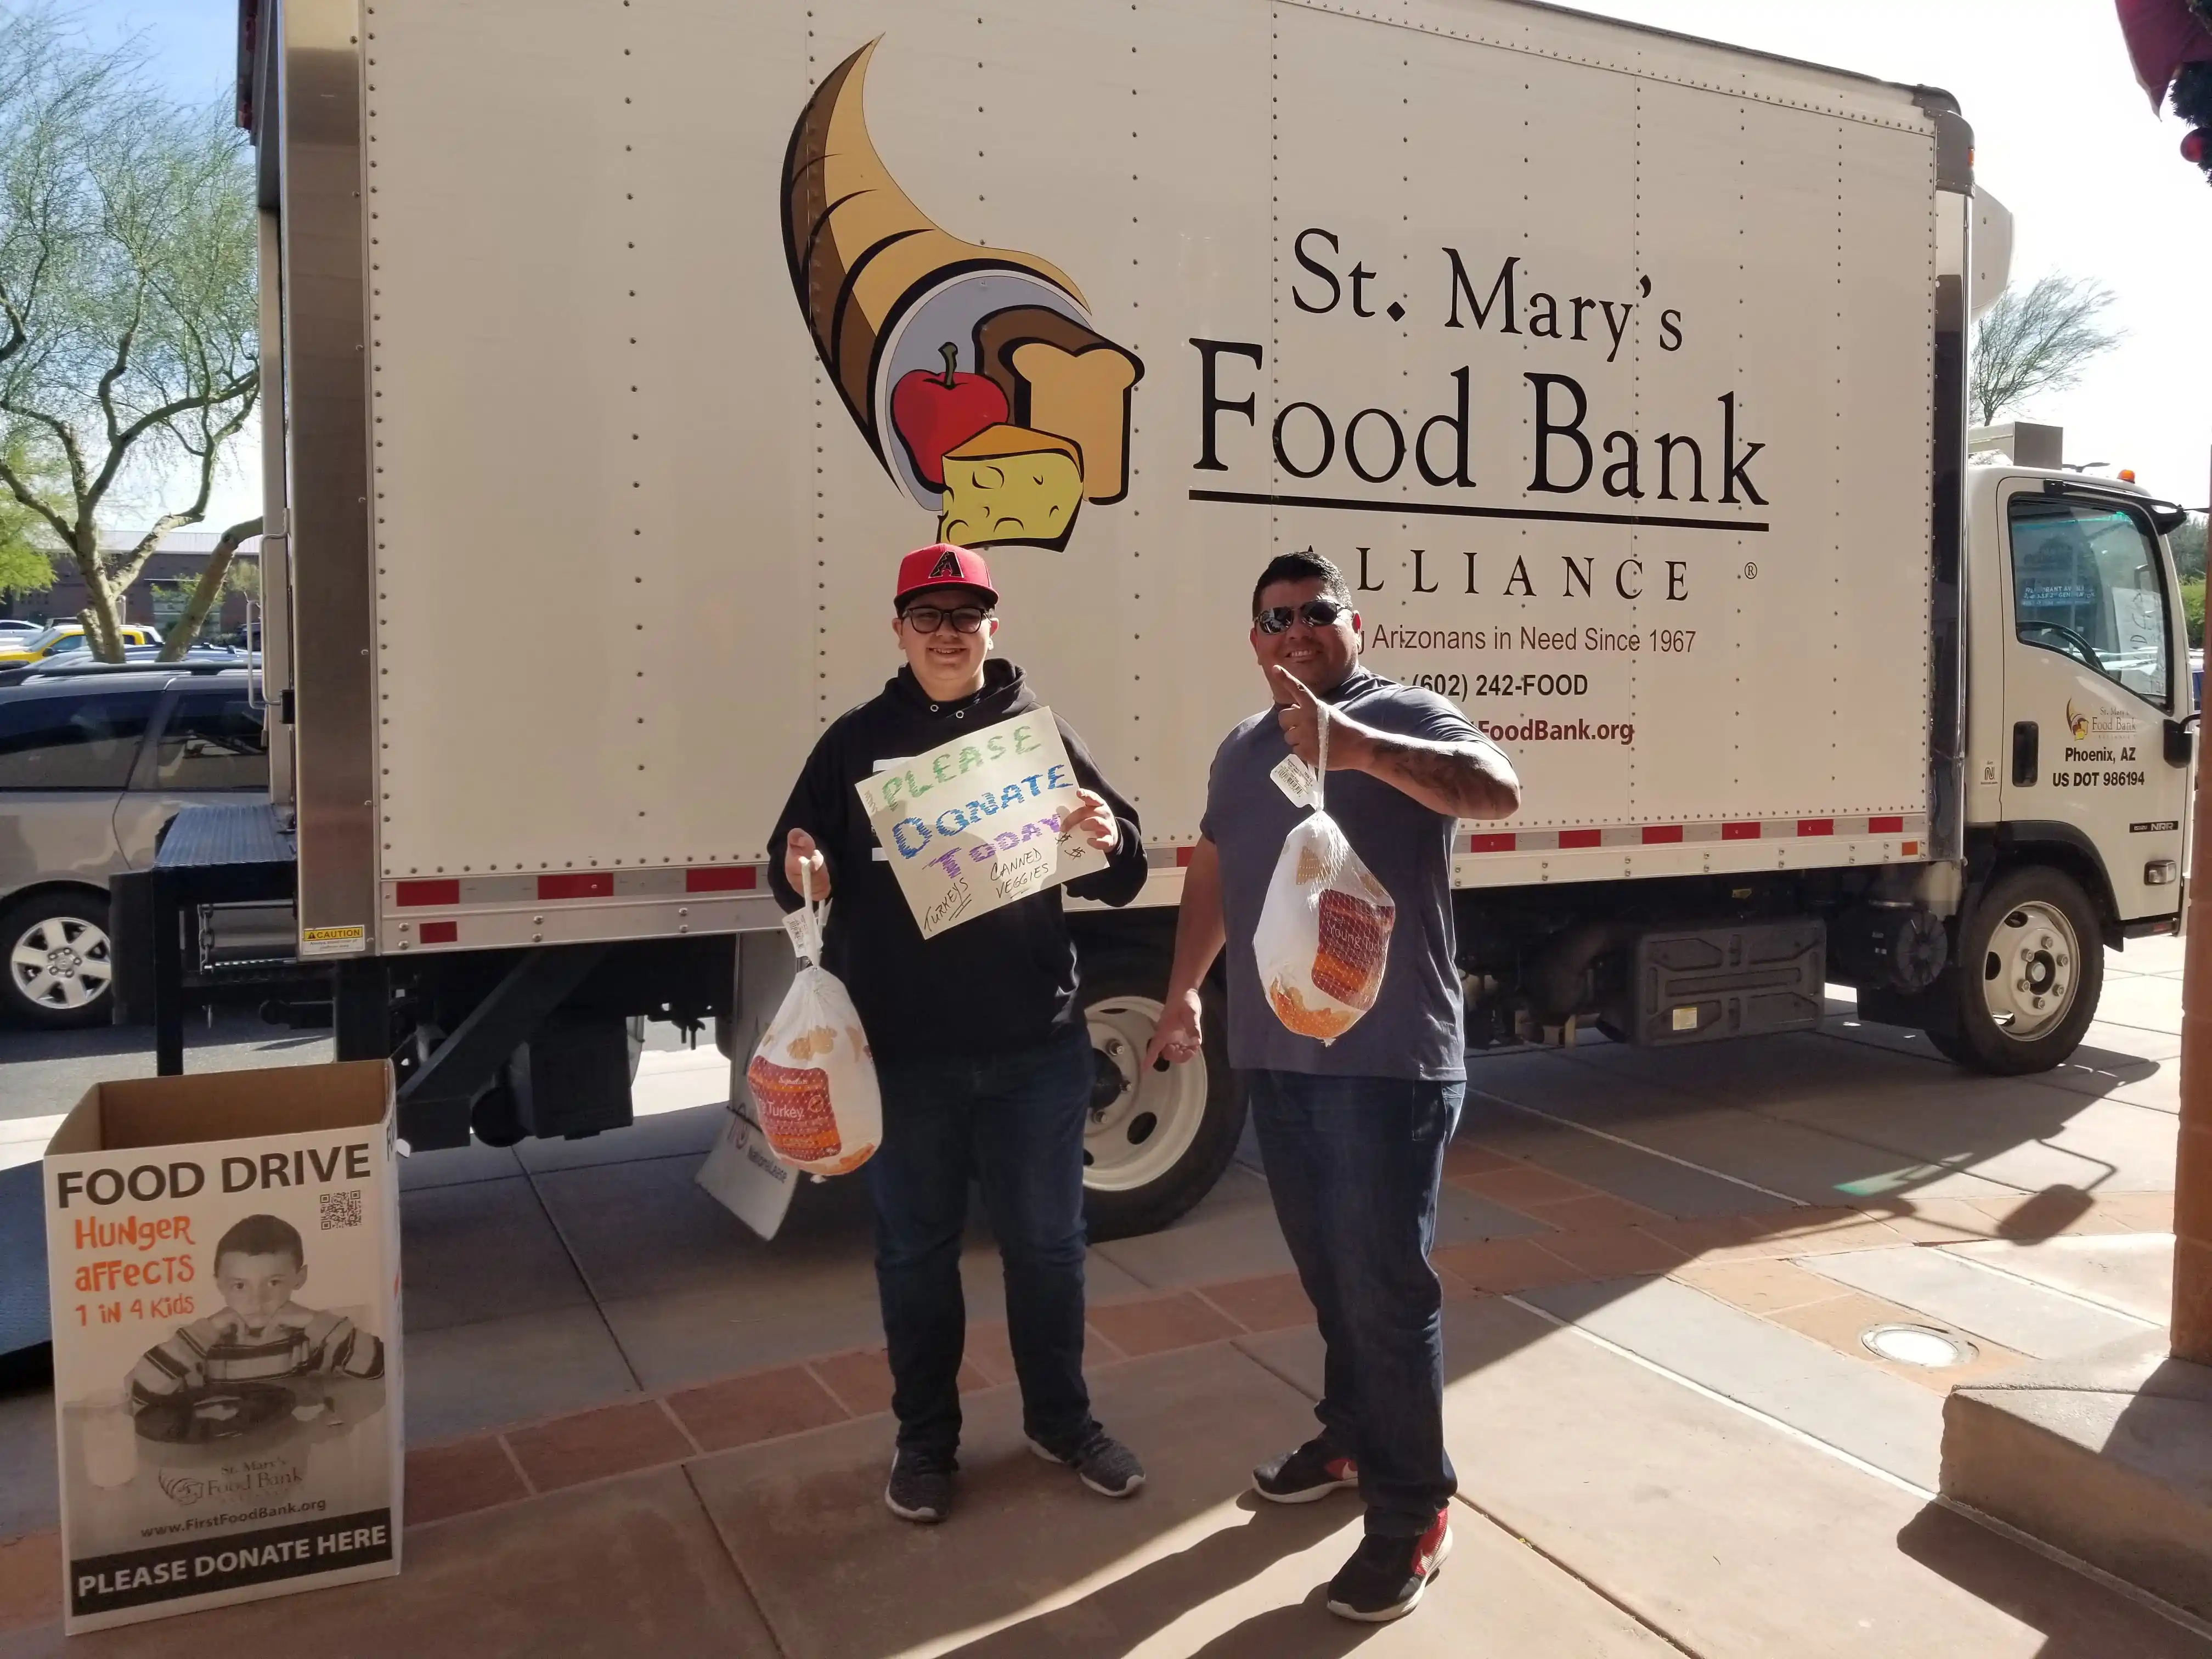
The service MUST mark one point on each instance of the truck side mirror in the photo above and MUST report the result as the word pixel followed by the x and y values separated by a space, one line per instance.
pixel 2181 740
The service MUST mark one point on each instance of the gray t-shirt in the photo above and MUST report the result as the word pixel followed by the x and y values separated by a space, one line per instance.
pixel 1413 1030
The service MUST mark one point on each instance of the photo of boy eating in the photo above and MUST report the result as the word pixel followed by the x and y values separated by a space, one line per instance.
pixel 260 1335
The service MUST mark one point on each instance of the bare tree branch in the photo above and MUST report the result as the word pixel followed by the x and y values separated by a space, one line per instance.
pixel 2035 341
pixel 209 591
pixel 123 572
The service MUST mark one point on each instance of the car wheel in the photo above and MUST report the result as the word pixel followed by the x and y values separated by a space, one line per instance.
pixel 2030 971
pixel 61 970
pixel 1157 1140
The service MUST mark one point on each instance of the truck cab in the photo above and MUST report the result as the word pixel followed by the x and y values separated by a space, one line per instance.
pixel 2081 717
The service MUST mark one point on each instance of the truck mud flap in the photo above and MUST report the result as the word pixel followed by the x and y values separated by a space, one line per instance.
pixel 1717 983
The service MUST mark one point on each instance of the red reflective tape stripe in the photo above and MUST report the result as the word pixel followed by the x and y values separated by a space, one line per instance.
pixel 1182 856
pixel 1816 826
pixel 577 883
pixel 1581 838
pixel 440 933
pixel 429 892
pixel 1657 834
pixel 723 879
pixel 1740 831
pixel 1505 843
pixel 1888 826
pixel 1910 850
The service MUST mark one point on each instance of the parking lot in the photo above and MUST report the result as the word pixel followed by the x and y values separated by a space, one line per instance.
pixel 635 1427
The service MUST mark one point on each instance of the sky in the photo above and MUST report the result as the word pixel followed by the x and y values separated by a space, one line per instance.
pixel 2067 140
pixel 2063 137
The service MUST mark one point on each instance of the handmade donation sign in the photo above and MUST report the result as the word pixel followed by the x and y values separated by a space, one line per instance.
pixel 975 824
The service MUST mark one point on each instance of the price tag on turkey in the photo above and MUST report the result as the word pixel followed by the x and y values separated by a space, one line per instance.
pixel 1295 779
pixel 795 924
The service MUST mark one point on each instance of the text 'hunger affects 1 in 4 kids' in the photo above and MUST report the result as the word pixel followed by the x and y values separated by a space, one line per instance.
pixel 975 824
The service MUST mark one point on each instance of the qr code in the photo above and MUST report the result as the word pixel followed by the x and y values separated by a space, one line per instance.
pixel 342 1209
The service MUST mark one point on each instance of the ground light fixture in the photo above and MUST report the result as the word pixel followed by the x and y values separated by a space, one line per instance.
pixel 1917 1344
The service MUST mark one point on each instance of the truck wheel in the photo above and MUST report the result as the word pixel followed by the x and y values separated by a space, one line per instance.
pixel 1158 1140
pixel 2030 969
pixel 61 971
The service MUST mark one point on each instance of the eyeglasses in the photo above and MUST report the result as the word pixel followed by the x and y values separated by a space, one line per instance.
pixel 1314 613
pixel 927 618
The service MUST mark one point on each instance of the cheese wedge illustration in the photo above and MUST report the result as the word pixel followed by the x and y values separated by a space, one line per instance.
pixel 1009 483
pixel 861 254
pixel 1061 376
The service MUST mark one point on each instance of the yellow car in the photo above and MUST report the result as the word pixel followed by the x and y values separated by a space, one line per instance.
pixel 64 637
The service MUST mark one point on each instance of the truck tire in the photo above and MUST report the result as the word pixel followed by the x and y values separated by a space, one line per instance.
pixel 2030 969
pixel 59 960
pixel 1157 1142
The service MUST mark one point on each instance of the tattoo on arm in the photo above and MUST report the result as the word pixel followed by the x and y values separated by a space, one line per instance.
pixel 1472 778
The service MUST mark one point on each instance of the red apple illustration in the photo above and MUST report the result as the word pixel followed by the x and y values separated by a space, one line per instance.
pixel 933 413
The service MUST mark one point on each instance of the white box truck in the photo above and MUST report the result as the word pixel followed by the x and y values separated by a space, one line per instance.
pixel 620 348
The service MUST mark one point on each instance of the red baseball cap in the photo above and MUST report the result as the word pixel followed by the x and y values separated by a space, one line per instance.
pixel 943 565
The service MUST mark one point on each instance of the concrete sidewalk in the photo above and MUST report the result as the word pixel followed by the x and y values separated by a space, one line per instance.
pixel 637 1429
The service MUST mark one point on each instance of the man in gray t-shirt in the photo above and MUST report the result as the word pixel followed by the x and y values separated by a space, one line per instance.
pixel 1413 1030
pixel 1351 1131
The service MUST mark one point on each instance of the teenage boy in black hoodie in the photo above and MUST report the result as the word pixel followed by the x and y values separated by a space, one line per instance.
pixel 979 1042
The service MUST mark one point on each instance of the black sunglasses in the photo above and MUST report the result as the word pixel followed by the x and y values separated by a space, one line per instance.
pixel 927 618
pixel 1314 613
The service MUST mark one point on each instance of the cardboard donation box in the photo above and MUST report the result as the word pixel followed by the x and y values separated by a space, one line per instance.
pixel 224 1255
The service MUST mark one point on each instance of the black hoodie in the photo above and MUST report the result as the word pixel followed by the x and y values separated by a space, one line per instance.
pixel 1006 979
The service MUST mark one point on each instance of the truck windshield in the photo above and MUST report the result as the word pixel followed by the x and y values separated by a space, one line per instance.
pixel 2087 583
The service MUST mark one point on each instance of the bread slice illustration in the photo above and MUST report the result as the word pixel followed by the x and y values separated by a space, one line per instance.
pixel 1009 483
pixel 1062 376
pixel 860 252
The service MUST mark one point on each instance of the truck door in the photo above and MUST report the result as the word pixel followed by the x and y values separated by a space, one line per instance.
pixel 2093 675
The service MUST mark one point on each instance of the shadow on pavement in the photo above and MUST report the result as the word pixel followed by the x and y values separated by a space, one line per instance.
pixel 1119 1616
pixel 2040 1593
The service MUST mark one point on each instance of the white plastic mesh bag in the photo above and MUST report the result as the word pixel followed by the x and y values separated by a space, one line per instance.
pixel 1323 936
pixel 813 1079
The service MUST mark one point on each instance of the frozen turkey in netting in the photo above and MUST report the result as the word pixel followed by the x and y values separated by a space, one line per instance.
pixel 1323 936
pixel 813 1078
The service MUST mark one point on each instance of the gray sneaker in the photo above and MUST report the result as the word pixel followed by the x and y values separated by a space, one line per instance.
pixel 920 1488
pixel 1104 1463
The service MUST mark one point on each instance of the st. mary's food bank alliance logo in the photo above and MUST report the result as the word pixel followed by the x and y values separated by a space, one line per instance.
pixel 973 371
pixel 2086 723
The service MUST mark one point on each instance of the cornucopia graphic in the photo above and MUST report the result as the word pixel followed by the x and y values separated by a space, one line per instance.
pixel 973 371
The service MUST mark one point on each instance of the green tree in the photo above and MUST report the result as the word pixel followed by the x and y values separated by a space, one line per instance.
pixel 127 303
pixel 2188 544
pixel 24 569
pixel 27 564
pixel 2036 340
pixel 2192 607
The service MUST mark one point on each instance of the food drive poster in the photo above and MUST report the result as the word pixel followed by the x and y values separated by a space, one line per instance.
pixel 227 1420
pixel 975 824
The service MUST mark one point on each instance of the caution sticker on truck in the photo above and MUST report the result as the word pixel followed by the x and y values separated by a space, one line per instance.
pixel 333 941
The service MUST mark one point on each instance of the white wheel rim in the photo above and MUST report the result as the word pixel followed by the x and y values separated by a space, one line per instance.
pixel 61 962
pixel 2031 971
pixel 1143 1132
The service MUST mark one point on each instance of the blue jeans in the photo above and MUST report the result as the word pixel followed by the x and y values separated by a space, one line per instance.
pixel 1353 1163
pixel 1013 1122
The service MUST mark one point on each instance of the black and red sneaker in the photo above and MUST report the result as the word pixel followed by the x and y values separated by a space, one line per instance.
pixel 1314 1470
pixel 1386 1576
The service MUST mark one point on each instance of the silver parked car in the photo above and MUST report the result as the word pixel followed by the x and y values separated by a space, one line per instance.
pixel 92 763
